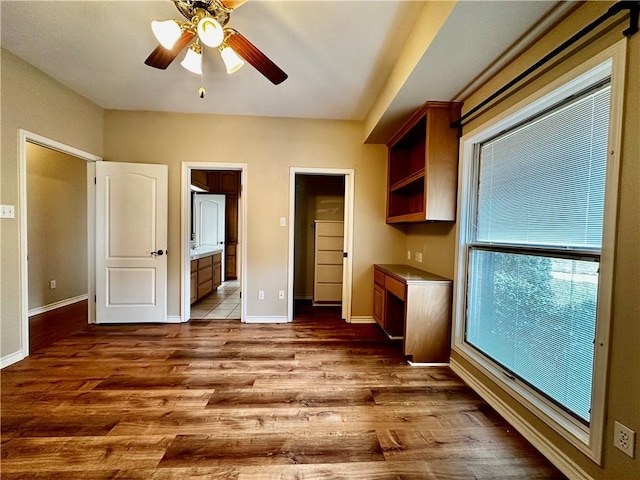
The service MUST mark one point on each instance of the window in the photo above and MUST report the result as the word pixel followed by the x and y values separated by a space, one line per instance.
pixel 535 249
pixel 536 223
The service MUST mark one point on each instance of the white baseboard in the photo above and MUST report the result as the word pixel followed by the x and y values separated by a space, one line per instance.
pixel 60 304
pixel 11 359
pixel 274 319
pixel 548 449
pixel 362 319
pixel 173 319
pixel 422 364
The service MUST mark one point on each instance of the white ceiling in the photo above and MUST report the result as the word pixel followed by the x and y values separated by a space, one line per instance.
pixel 338 54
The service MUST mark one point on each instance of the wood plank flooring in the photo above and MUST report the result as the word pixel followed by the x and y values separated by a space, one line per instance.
pixel 49 327
pixel 316 399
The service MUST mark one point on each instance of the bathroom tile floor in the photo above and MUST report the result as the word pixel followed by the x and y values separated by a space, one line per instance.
pixel 224 303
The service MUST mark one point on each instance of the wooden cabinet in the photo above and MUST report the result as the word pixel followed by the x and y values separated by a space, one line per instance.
pixel 328 259
pixel 224 181
pixel 230 182
pixel 199 178
pixel 194 280
pixel 230 262
pixel 231 237
pixel 206 273
pixel 415 306
pixel 422 166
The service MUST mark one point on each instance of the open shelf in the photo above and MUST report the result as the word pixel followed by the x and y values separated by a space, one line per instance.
pixel 422 166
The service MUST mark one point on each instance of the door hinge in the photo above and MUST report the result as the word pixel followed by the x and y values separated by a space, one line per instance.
pixel 95 299
pixel 95 180
pixel 240 294
pixel 345 254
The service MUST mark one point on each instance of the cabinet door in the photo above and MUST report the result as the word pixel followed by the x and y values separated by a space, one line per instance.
pixel 231 219
pixel 217 275
pixel 199 179
pixel 213 179
pixel 230 182
pixel 194 286
pixel 230 262
pixel 378 305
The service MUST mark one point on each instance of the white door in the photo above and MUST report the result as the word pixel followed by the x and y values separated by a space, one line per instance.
pixel 209 221
pixel 131 242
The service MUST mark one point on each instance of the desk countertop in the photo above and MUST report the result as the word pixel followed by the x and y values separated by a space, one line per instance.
pixel 410 274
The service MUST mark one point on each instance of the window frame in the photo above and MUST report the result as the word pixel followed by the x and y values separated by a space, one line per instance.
pixel 588 439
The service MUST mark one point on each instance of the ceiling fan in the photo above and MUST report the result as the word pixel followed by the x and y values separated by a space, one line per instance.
pixel 206 24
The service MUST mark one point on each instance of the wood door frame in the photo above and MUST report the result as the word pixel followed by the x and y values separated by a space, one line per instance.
pixel 185 231
pixel 349 203
pixel 30 137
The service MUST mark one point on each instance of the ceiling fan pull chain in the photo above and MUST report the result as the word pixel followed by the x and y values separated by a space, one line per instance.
pixel 201 91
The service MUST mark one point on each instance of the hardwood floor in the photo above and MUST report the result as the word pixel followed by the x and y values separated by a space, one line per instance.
pixel 217 399
pixel 49 327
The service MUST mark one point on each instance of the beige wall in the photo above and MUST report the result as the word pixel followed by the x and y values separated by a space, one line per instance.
pixel 623 397
pixel 32 101
pixel 318 197
pixel 56 225
pixel 269 146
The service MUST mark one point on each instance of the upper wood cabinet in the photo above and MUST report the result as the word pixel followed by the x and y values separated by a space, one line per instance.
pixel 199 179
pixel 224 181
pixel 422 167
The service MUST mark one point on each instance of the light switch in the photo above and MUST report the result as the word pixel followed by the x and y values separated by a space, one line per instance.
pixel 283 221
pixel 7 211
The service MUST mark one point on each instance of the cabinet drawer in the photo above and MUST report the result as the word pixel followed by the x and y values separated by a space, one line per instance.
pixel 217 258
pixel 331 229
pixel 329 274
pixel 378 277
pixel 329 258
pixel 203 262
pixel 330 243
pixel 394 286
pixel 205 274
pixel 194 266
pixel 328 292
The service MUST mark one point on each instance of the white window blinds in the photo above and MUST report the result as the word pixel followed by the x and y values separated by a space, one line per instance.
pixel 543 183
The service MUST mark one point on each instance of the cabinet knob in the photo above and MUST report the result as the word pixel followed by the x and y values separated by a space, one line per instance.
pixel 159 253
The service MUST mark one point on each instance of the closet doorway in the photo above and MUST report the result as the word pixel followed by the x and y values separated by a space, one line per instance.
pixel 320 239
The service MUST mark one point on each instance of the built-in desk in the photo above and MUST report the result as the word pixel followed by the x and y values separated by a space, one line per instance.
pixel 415 306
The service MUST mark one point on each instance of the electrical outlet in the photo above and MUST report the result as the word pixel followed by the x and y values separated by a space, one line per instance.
pixel 52 284
pixel 281 294
pixel 260 294
pixel 419 257
pixel 624 439
pixel 408 254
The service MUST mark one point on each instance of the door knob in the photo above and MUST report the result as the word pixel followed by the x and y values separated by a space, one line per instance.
pixel 158 253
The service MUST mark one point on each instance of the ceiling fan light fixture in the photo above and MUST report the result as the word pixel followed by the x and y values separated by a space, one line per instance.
pixel 193 59
pixel 210 32
pixel 231 59
pixel 166 32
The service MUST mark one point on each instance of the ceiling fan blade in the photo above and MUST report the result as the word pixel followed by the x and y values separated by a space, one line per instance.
pixel 162 57
pixel 233 4
pixel 249 52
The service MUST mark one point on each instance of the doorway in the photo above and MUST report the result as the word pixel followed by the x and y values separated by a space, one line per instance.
pixel 320 238
pixel 72 287
pixel 212 255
